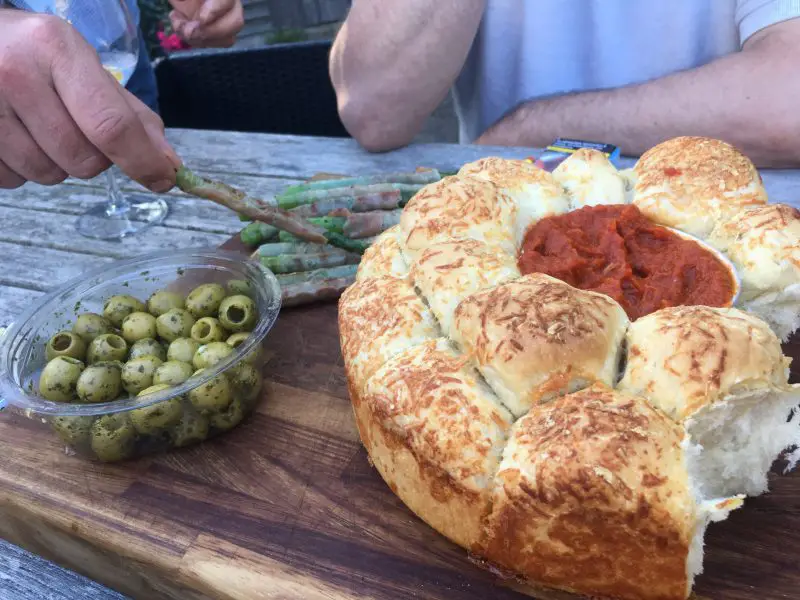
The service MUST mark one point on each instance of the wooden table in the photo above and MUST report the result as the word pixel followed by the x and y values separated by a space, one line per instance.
pixel 40 250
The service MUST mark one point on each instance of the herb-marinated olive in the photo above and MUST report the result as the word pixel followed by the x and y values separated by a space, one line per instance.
pixel 174 324
pixel 138 326
pixel 113 437
pixel 239 287
pixel 237 339
pixel 172 372
pixel 229 418
pixel 213 396
pixel 137 374
pixel 118 307
pixel 74 431
pixel 89 325
pixel 182 349
pixel 203 301
pixel 192 429
pixel 147 347
pixel 246 382
pixel 210 354
pixel 155 418
pixel 100 382
pixel 161 302
pixel 107 347
pixel 238 313
pixel 65 343
pixel 207 330
pixel 59 379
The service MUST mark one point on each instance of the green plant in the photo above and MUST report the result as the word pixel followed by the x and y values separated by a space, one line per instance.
pixel 154 18
pixel 286 36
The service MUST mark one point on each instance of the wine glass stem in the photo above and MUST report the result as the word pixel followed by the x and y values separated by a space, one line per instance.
pixel 116 201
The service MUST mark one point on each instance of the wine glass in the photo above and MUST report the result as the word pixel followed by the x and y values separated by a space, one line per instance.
pixel 109 27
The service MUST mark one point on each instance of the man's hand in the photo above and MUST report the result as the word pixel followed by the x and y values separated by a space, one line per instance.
pixel 207 23
pixel 62 114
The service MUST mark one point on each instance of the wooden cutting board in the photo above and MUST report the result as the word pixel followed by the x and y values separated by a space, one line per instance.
pixel 287 506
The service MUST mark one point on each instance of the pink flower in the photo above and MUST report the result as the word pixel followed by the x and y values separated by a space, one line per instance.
pixel 171 42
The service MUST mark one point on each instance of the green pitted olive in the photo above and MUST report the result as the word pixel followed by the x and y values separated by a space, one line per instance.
pixel 229 418
pixel 118 307
pixel 100 382
pixel 203 301
pixel 155 418
pixel 161 302
pixel 246 382
pixel 213 396
pixel 89 325
pixel 138 326
pixel 65 343
pixel 113 437
pixel 238 313
pixel 239 287
pixel 192 429
pixel 107 347
pixel 137 374
pixel 59 379
pixel 172 372
pixel 173 324
pixel 210 354
pixel 147 347
pixel 234 341
pixel 182 349
pixel 207 330
pixel 74 431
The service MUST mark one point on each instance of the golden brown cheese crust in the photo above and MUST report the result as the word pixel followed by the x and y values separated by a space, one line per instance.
pixel 457 207
pixel 691 183
pixel 448 272
pixel 378 318
pixel 537 337
pixel 435 432
pixel 685 358
pixel 384 258
pixel 592 496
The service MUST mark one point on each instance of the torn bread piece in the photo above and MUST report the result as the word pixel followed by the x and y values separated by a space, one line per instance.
pixel 591 179
pixel 384 258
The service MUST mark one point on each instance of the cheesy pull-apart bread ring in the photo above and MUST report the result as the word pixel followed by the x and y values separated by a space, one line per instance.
pixel 435 433
pixel 764 244
pixel 691 183
pixel 721 373
pixel 591 179
pixel 536 337
pixel 384 258
pixel 594 495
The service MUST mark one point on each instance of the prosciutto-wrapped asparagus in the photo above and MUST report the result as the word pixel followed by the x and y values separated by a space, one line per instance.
pixel 292 263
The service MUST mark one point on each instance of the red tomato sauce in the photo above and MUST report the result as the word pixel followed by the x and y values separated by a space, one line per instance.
pixel 617 251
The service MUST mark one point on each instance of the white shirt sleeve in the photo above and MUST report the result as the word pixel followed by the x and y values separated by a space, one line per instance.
pixel 754 15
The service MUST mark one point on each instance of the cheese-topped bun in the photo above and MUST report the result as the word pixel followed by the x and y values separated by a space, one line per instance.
pixel 384 258
pixel 691 183
pixel 591 179
pixel 435 433
pixel 448 272
pixel 537 337
pixel 534 191
pixel 593 496
pixel 457 207
pixel 764 244
pixel 379 317
pixel 720 372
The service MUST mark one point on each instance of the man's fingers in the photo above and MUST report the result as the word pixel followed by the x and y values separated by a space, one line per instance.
pixel 216 9
pixel 98 106
pixel 221 32
pixel 20 153
pixel 154 127
pixel 9 180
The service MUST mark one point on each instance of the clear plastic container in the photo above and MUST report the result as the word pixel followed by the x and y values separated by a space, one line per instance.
pixel 91 430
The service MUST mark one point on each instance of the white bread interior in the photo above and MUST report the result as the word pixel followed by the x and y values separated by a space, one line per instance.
pixel 591 179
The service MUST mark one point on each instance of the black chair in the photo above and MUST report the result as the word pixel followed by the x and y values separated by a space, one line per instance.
pixel 283 88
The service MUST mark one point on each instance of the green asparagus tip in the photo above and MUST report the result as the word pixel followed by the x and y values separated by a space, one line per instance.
pixel 345 243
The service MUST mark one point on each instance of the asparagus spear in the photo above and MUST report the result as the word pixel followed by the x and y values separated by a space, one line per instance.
pixel 292 263
pixel 259 210
pixel 277 248
pixel 361 225
pixel 417 177
pixel 317 275
pixel 407 190
pixel 314 291
pixel 367 202
pixel 257 233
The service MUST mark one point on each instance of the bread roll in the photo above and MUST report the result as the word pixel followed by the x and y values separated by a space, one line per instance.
pixel 590 179
pixel 384 257
pixel 448 272
pixel 537 337
pixel 435 433
pixel 691 183
pixel 721 373
pixel 593 496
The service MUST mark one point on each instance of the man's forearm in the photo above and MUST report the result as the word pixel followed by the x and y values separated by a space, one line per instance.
pixel 392 63
pixel 748 99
